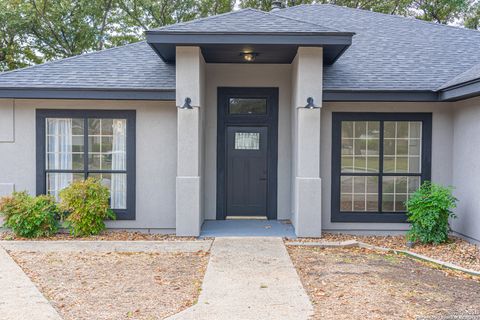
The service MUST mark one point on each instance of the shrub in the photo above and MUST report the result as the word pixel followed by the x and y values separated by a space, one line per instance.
pixel 28 216
pixel 86 204
pixel 428 210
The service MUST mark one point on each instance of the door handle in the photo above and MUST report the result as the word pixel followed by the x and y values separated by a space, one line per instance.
pixel 263 179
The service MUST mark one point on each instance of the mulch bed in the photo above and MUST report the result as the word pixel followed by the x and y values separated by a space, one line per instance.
pixel 357 283
pixel 116 285
pixel 456 251
pixel 106 235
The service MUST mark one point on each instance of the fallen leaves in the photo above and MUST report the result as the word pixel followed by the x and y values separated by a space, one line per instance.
pixel 116 285
pixel 456 251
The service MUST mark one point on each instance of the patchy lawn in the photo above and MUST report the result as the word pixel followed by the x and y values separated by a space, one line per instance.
pixel 361 284
pixel 116 285
pixel 106 235
pixel 456 250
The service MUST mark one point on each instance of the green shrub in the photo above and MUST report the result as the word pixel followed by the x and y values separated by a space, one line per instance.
pixel 428 210
pixel 86 204
pixel 28 216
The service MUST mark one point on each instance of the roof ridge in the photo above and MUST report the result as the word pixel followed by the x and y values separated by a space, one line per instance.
pixel 384 14
pixel 62 60
pixel 206 18
pixel 306 22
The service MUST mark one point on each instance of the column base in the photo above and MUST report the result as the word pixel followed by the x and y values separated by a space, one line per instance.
pixel 308 207
pixel 188 206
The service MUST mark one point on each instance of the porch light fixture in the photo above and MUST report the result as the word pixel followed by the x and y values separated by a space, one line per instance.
pixel 310 104
pixel 187 104
pixel 249 56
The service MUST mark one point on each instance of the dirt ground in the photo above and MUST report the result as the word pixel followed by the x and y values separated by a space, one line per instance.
pixel 361 284
pixel 456 250
pixel 116 285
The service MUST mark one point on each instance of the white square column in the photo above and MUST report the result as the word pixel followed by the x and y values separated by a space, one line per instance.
pixel 307 76
pixel 190 78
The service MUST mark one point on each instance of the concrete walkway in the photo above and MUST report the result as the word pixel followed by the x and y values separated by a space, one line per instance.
pixel 19 298
pixel 250 278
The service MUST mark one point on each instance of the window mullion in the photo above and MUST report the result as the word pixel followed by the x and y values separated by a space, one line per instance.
pixel 380 167
pixel 85 151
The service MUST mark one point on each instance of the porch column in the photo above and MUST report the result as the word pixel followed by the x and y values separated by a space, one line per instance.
pixel 307 76
pixel 190 67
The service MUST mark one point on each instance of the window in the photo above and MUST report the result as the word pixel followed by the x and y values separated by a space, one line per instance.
pixel 378 161
pixel 247 106
pixel 76 144
pixel 247 140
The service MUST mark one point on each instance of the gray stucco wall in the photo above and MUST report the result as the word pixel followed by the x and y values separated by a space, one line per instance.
pixel 242 75
pixel 466 167
pixel 156 155
pixel 442 133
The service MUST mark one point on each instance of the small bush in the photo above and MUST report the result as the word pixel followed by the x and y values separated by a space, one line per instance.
pixel 429 209
pixel 86 204
pixel 28 216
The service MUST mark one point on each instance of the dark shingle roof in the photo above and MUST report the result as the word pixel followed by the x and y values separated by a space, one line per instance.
pixel 391 52
pixel 246 21
pixel 471 74
pixel 134 66
pixel 388 53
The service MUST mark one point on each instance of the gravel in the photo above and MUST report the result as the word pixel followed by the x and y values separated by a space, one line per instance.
pixel 357 283
pixel 116 285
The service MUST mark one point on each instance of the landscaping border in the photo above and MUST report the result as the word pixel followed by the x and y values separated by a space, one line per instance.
pixel 359 244
pixel 107 246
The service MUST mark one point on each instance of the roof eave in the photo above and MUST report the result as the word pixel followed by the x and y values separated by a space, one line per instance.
pixel 87 93
pixel 164 43
pixel 461 91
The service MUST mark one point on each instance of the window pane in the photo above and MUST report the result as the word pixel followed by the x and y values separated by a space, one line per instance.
pixel 117 184
pixel 107 144
pixel 360 139
pixel 402 146
pixel 247 140
pixel 396 190
pixel 58 181
pixel 247 106
pixel 347 129
pixel 64 144
pixel 358 193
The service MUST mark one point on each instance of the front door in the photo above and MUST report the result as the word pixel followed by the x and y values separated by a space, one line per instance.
pixel 247 152
pixel 247 176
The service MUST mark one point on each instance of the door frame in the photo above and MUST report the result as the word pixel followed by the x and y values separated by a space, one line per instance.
pixel 269 120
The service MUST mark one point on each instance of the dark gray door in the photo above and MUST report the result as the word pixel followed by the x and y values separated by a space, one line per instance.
pixel 247 171
pixel 247 152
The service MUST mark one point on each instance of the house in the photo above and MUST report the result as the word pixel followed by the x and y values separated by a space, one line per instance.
pixel 326 116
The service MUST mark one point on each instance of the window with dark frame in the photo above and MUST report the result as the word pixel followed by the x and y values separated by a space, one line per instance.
pixel 378 161
pixel 76 144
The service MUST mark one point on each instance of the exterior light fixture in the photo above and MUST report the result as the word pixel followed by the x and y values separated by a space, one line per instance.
pixel 310 104
pixel 249 56
pixel 187 104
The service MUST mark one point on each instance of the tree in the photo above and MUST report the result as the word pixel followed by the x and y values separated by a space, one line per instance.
pixel 441 11
pixel 64 28
pixel 472 19
pixel 15 51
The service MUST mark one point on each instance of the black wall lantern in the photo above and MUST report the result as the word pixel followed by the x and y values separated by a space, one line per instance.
pixel 187 104
pixel 310 104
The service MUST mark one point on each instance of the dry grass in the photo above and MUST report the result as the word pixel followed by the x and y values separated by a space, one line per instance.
pixel 360 284
pixel 456 251
pixel 116 285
